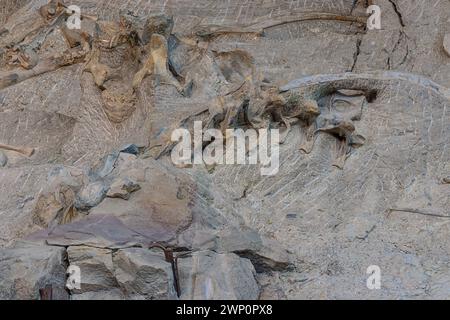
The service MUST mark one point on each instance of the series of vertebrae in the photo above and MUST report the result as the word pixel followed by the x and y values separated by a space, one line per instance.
pixel 120 55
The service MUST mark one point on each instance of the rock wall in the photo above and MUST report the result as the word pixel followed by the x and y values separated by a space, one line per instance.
pixel 86 177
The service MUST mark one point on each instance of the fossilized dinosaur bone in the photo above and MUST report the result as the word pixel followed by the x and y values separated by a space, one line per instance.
pixel 22 150
pixel 210 31
pixel 368 82
pixel 99 71
pixel 27 58
pixel 309 111
pixel 343 131
pixel 157 64
pixel 69 57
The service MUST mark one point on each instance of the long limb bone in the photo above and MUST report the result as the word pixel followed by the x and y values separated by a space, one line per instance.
pixel 210 31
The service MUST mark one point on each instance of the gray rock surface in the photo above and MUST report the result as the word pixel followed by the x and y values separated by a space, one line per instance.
pixel 96 269
pixel 144 275
pixel 26 268
pixel 91 195
pixel 206 275
pixel 3 159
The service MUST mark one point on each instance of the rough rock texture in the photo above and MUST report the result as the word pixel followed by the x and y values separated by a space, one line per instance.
pixel 26 268
pixel 364 165
pixel 144 275
pixel 206 275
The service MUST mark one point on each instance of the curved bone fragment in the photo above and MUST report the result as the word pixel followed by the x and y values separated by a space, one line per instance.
pixel 22 150
pixel 324 84
pixel 343 131
pixel 308 113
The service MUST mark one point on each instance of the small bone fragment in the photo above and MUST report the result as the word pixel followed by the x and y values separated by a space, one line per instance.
pixel 22 150
pixel 99 71
pixel 309 111
pixel 52 9
pixel 343 131
pixel 28 59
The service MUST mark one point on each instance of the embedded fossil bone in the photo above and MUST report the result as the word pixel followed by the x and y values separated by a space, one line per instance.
pixel 99 71
pixel 343 131
pixel 27 58
pixel 69 57
pixel 309 111
pixel 22 150
pixel 157 64
pixel 119 103
pixel 52 10
pixel 76 38
pixel 211 31
pixel 113 34
pixel 159 24
pixel 368 82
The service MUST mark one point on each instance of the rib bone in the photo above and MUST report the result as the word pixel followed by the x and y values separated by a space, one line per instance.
pixel 22 150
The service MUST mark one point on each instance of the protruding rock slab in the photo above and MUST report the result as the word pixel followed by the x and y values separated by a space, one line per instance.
pixel 26 268
pixel 206 275
pixel 96 231
pixel 143 274
pixel 159 210
pixel 96 266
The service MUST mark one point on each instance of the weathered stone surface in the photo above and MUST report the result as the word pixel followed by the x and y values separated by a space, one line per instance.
pixel 159 210
pixel 96 231
pixel 26 268
pixel 22 189
pixel 132 273
pixel 96 267
pixel 264 253
pixel 143 274
pixel 206 275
